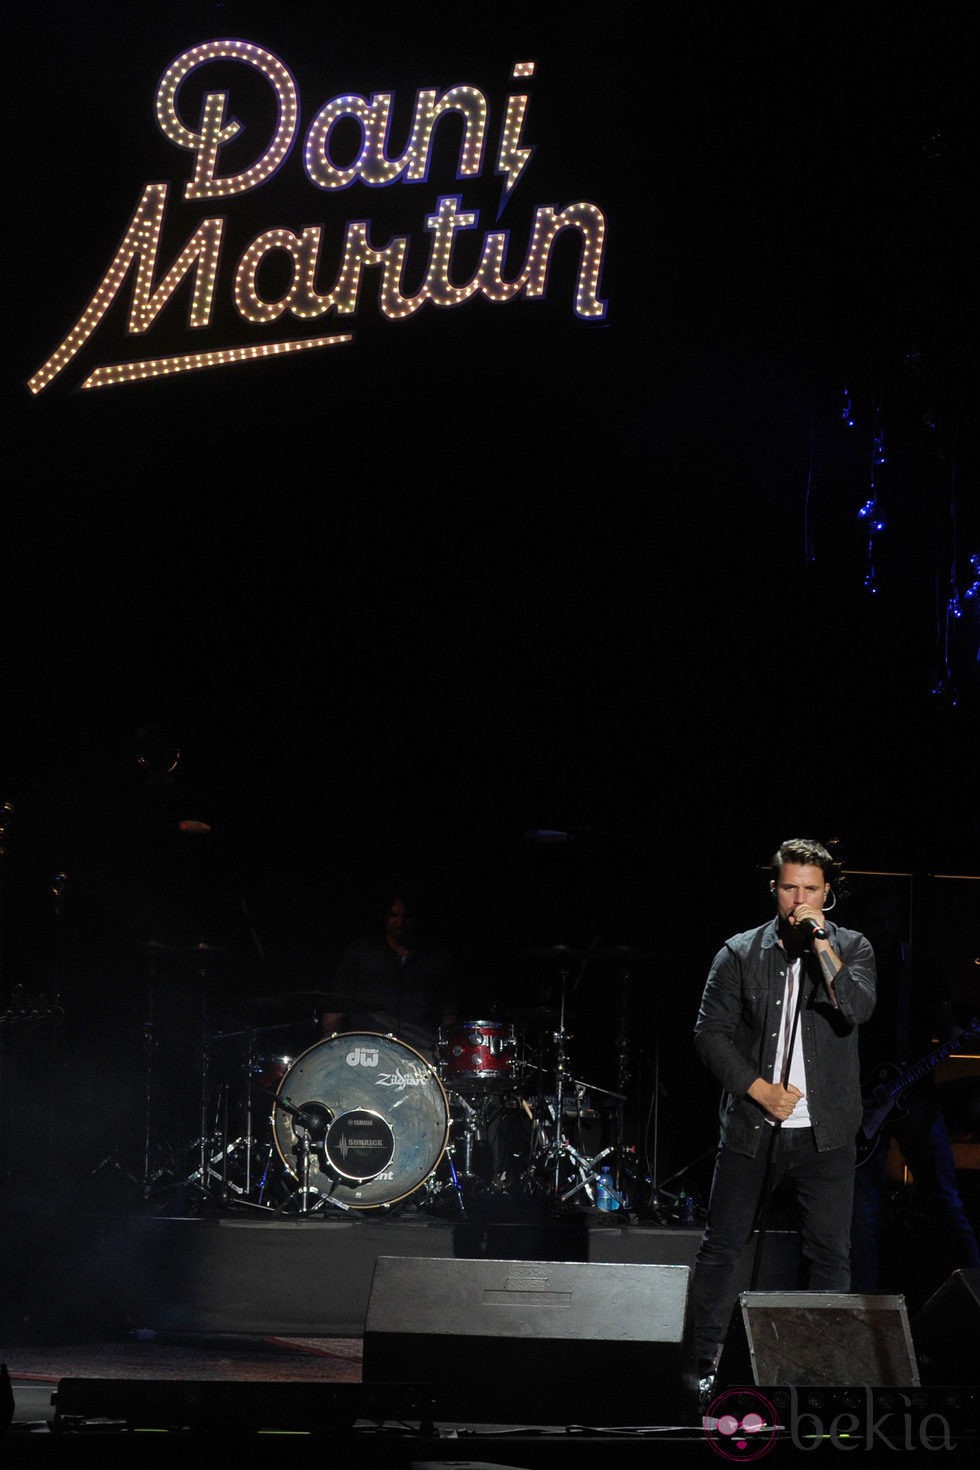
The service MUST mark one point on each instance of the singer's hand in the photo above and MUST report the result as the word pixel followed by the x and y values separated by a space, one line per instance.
pixel 804 911
pixel 777 1100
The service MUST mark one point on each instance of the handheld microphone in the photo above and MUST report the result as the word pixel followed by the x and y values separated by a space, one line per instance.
pixel 811 929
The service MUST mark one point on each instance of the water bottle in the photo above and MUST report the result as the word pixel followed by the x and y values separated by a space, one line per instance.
pixel 606 1196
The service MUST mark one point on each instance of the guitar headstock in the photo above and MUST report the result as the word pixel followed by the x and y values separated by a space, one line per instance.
pixel 24 1007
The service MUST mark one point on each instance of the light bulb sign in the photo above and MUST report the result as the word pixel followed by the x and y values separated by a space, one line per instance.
pixel 305 287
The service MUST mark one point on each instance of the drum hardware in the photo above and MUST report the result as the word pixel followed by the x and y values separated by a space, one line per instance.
pixel 435 1191
pixel 157 1161
pixel 218 1153
pixel 567 1170
pixel 623 1076
pixel 558 1153
pixel 157 946
pixel 110 1164
pixel 264 1180
pixel 149 1048
pixel 588 1171
pixel 202 1175
pixel 662 1206
pixel 485 1166
pixel 473 1131
pixel 477 1128
pixel 271 1069
pixel 207 1135
pixel 310 1124
pixel 455 1184
pixel 214 1151
pixel 259 1170
pixel 233 1158
pixel 625 1186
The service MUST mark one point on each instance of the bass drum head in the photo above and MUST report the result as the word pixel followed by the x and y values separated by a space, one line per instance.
pixel 374 1112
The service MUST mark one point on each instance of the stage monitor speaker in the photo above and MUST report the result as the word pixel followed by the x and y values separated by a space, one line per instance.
pixel 818 1338
pixel 946 1331
pixel 535 1342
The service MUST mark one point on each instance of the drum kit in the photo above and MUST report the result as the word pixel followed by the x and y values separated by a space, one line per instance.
pixel 493 1123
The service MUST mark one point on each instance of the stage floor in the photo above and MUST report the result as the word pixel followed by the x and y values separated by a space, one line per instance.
pixel 321 1407
pixel 265 1274
pixel 130 1337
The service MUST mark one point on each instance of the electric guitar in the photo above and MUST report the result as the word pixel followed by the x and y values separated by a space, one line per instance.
pixel 892 1081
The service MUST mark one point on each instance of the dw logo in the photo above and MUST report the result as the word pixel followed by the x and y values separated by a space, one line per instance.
pixel 363 1056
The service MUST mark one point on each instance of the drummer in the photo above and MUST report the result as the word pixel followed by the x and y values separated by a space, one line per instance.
pixel 398 979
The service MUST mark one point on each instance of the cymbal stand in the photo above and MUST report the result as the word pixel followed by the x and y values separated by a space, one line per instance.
pixel 143 1183
pixel 149 1044
pixel 560 1148
pixel 146 1180
pixel 587 1166
pixel 253 1173
pixel 249 1072
pixel 251 1141
pixel 263 1169
pixel 208 1154
pixel 622 1076
pixel 226 1147
pixel 561 1143
pixel 205 1139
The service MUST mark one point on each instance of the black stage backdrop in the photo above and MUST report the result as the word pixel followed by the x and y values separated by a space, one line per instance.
pixel 496 569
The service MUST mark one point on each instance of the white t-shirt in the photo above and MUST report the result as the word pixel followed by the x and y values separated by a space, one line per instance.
pixel 786 1009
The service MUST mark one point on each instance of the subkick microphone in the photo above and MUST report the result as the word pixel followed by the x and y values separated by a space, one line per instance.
pixel 811 929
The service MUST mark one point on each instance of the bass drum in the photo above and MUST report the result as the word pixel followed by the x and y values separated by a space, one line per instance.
pixel 374 1114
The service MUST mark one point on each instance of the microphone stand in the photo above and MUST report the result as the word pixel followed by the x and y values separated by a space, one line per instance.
pixel 305 1126
pixel 762 1212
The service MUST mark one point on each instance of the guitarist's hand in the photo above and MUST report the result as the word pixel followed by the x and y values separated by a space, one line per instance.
pixel 777 1100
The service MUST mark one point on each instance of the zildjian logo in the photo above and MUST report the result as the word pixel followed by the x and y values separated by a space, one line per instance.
pixel 399 1079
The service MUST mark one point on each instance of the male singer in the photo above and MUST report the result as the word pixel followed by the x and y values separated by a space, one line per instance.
pixel 777 1029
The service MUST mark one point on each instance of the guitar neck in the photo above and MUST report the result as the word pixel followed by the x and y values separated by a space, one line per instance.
pixel 921 1068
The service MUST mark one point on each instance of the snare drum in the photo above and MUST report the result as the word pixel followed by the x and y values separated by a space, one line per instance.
pixel 478 1054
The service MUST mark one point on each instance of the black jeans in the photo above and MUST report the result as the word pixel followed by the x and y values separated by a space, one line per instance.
pixel 824 1184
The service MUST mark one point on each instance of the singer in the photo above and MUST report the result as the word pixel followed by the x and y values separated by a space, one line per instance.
pixel 778 1030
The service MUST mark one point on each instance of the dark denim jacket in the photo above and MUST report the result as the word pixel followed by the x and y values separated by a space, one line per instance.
pixel 738 1025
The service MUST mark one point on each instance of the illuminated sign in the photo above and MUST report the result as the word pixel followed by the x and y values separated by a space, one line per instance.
pixel 307 297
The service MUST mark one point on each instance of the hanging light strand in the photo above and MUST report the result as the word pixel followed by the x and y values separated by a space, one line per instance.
pixel 944 690
pixel 870 512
